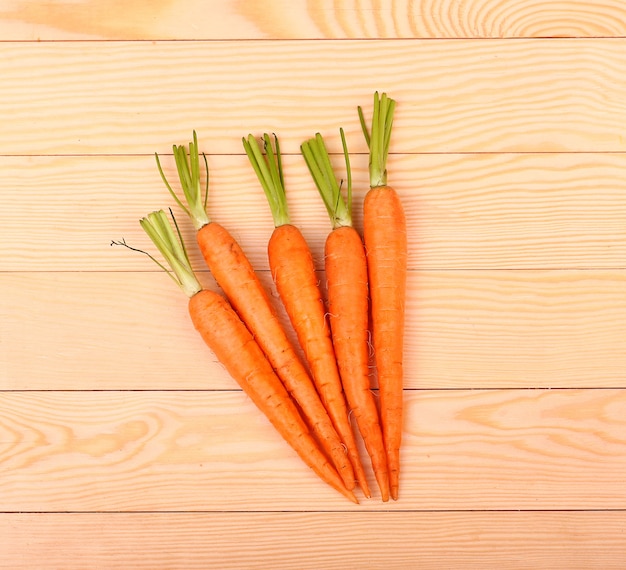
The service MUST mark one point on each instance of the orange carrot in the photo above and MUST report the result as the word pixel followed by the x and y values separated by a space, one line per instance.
pixel 235 275
pixel 384 234
pixel 293 271
pixel 234 346
pixel 346 277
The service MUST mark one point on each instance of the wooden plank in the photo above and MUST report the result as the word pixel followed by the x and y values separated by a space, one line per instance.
pixel 283 541
pixel 212 451
pixel 124 444
pixel 482 211
pixel 454 96
pixel 464 329
pixel 323 19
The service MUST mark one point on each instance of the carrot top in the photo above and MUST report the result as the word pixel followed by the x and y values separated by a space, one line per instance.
pixel 269 169
pixel 188 166
pixel 378 138
pixel 172 247
pixel 318 160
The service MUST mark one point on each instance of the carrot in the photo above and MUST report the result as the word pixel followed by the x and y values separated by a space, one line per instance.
pixel 293 270
pixel 233 345
pixel 348 303
pixel 384 234
pixel 235 275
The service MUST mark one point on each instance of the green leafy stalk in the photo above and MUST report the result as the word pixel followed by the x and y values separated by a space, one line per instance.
pixel 379 137
pixel 170 244
pixel 318 160
pixel 269 171
pixel 188 166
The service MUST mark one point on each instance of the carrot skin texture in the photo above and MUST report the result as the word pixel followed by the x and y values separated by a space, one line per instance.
pixel 235 275
pixel 233 345
pixel 384 233
pixel 293 271
pixel 347 282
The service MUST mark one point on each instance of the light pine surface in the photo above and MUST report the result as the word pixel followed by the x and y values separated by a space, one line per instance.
pixel 311 19
pixel 125 444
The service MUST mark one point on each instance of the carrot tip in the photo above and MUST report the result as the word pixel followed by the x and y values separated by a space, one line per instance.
pixel 352 497
pixel 362 484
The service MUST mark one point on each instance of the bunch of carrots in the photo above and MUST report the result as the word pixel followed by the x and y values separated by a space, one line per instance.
pixel 309 402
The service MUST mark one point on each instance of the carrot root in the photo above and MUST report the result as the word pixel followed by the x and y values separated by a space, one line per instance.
pixel 346 274
pixel 384 232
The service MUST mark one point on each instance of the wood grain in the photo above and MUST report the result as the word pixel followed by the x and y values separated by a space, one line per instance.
pixel 455 96
pixel 309 19
pixel 191 451
pixel 465 329
pixel 124 444
pixel 464 211
pixel 309 541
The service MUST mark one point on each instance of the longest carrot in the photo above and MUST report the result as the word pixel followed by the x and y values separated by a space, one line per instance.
pixel 384 234
pixel 293 271
pixel 235 275
pixel 348 305
pixel 233 345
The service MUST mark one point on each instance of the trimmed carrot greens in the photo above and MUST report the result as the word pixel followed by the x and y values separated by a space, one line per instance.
pixel 172 248
pixel 318 160
pixel 269 170
pixel 378 137
pixel 188 166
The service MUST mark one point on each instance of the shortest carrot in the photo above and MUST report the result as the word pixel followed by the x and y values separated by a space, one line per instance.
pixel 235 347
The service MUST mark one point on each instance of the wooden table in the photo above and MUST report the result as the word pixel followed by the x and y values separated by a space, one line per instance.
pixel 124 444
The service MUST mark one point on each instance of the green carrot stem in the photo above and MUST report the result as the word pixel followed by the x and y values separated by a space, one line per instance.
pixel 317 159
pixel 378 138
pixel 269 171
pixel 172 248
pixel 188 167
